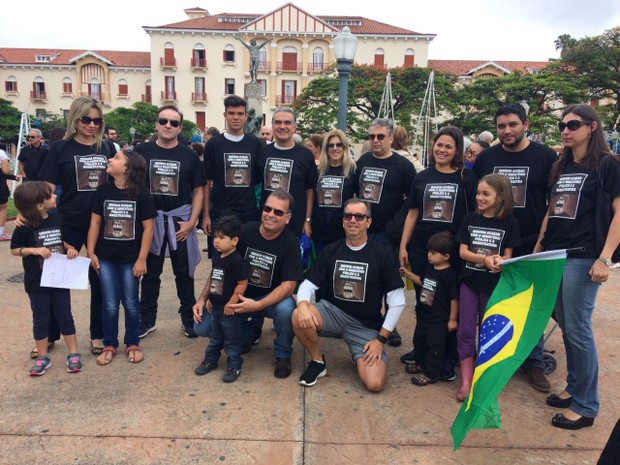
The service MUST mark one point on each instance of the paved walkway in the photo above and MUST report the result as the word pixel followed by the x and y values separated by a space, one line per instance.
pixel 159 412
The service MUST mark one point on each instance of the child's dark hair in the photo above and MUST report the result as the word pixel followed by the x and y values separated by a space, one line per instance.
pixel 504 198
pixel 136 172
pixel 228 226
pixel 442 243
pixel 27 196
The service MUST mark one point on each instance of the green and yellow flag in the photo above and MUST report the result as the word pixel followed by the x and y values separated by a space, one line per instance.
pixel 516 316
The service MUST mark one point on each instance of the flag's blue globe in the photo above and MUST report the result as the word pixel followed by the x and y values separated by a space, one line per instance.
pixel 495 333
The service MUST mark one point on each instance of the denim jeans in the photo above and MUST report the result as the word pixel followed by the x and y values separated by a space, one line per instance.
pixel 281 315
pixel 573 311
pixel 226 331
pixel 119 284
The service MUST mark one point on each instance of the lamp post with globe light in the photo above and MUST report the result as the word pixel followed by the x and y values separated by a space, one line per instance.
pixel 345 46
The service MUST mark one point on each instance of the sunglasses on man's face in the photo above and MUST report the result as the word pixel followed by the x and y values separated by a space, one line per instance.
pixel 87 120
pixel 372 137
pixel 358 216
pixel 32 137
pixel 276 211
pixel 173 122
pixel 572 125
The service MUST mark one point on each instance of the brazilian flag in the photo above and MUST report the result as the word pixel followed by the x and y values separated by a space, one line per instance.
pixel 516 316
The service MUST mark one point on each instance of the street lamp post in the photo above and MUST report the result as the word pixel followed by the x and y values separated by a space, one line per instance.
pixel 132 133
pixel 345 45
pixel 614 140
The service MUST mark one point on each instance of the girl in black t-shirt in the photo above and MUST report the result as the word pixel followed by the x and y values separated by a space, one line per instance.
pixel 119 237
pixel 35 241
pixel 487 236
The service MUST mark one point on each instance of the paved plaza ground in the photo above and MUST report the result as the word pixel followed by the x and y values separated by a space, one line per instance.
pixel 159 412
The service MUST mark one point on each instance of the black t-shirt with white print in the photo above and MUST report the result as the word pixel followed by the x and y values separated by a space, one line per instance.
pixel 486 236
pixel 171 174
pixel 528 171
pixel 292 170
pixel 120 233
pixel 384 183
pixel 439 289
pixel 232 167
pixel 270 262
pixel 357 280
pixel 572 207
pixel 225 275
pixel 442 201
pixel 47 234
pixel 80 169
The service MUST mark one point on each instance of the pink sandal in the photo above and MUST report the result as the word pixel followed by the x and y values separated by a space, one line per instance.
pixel 104 352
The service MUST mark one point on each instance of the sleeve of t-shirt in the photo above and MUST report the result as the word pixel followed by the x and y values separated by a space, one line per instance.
pixel 452 286
pixel 611 181
pixel 412 199
pixel 470 183
pixel 97 205
pixel 409 175
pixel 49 170
pixel 20 237
pixel 292 268
pixel 513 233
pixel 462 236
pixel 146 206
pixel 209 161
pixel 312 176
pixel 389 274
pixel 318 270
pixel 196 173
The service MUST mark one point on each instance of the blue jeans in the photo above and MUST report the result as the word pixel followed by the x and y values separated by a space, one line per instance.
pixel 226 331
pixel 119 284
pixel 281 315
pixel 573 311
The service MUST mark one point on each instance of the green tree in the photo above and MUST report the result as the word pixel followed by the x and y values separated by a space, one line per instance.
pixel 10 118
pixel 317 105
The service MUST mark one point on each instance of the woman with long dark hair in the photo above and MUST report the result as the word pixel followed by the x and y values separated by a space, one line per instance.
pixel 584 212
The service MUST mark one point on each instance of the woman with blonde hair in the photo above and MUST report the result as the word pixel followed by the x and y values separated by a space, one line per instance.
pixel 337 183
pixel 78 163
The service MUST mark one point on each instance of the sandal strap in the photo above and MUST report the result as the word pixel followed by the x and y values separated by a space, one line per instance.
pixel 130 348
pixel 111 349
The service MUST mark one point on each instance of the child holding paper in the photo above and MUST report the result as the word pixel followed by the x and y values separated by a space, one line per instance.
pixel 36 241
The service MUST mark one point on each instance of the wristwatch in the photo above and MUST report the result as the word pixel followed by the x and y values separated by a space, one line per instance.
pixel 605 261
pixel 308 220
pixel 381 339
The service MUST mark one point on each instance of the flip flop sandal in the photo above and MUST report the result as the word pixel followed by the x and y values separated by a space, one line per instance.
pixel 95 350
pixel 413 369
pixel 422 380
pixel 131 359
pixel 34 353
pixel 105 360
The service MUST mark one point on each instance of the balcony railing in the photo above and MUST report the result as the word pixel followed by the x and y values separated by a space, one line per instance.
pixel 96 95
pixel 288 66
pixel 168 96
pixel 285 99
pixel 200 63
pixel 264 66
pixel 167 62
pixel 38 95
pixel 317 67
pixel 199 97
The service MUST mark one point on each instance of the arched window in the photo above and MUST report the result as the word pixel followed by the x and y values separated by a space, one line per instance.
pixel 229 53
pixel 379 58
pixel 67 85
pixel 318 59
pixel 10 85
pixel 263 63
pixel 94 89
pixel 147 97
pixel 409 58
pixel 289 59
pixel 123 88
pixel 168 59
pixel 199 56
pixel 38 88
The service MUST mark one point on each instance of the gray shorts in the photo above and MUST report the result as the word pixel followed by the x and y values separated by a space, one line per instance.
pixel 338 324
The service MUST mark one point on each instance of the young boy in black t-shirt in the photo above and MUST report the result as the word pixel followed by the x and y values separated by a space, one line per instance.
pixel 228 280
pixel 438 309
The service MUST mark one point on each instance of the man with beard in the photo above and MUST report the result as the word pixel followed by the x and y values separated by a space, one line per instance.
pixel 527 165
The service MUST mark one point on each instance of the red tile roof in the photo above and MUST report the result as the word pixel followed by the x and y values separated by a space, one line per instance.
pixel 462 67
pixel 27 56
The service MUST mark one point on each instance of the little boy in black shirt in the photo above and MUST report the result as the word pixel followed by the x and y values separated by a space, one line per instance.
pixel 228 280
pixel 437 311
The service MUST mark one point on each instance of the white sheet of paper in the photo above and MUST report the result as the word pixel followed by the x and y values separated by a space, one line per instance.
pixel 59 271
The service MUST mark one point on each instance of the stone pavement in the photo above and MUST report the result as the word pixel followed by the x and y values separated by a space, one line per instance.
pixel 159 412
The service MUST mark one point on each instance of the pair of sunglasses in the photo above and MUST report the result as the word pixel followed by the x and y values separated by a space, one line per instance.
pixel 572 125
pixel 87 120
pixel 340 145
pixel 276 211
pixel 372 137
pixel 173 122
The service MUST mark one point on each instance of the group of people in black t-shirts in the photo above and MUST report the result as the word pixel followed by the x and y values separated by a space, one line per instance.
pixel 373 221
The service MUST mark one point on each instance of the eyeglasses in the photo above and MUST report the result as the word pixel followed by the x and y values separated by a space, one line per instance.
pixel 357 216
pixel 276 211
pixel 32 137
pixel 333 146
pixel 376 136
pixel 279 122
pixel 173 122
pixel 572 125
pixel 87 120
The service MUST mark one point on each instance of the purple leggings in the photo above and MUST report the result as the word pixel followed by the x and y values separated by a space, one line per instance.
pixel 471 310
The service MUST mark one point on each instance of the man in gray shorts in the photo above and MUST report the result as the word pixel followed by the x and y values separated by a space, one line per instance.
pixel 358 273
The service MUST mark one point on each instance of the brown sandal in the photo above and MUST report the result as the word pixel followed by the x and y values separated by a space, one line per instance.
pixel 134 349
pixel 103 357
pixel 413 368
pixel 95 350
pixel 422 380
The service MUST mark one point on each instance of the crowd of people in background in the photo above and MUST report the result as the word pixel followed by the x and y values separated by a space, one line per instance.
pixel 372 220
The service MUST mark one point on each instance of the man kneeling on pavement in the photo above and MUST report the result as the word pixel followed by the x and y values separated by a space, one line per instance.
pixel 358 274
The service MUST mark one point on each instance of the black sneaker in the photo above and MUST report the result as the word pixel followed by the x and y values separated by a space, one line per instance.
pixel 447 374
pixel 204 368
pixel 408 358
pixel 231 375
pixel 314 371
pixel 248 347
pixel 188 330
pixel 146 328
pixel 394 339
